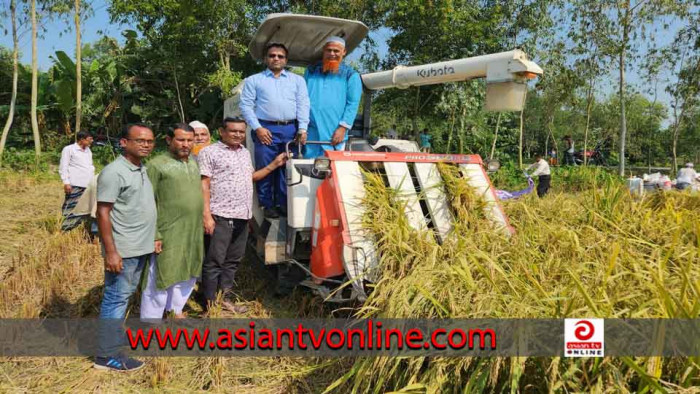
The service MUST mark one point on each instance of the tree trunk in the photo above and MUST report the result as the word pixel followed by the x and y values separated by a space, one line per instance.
pixel 452 129
pixel 35 84
pixel 589 104
pixel 179 99
pixel 674 150
pixel 623 119
pixel 15 72
pixel 520 140
pixel 651 116
pixel 495 136
pixel 551 134
pixel 623 116
pixel 78 71
pixel 462 125
pixel 414 119
pixel 677 119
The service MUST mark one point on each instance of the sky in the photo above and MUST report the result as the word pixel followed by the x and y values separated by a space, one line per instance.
pixel 57 37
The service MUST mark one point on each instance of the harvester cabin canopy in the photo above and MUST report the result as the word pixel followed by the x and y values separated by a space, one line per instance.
pixel 304 36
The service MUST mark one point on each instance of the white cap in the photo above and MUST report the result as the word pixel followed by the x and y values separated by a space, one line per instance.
pixel 335 39
pixel 689 165
pixel 195 124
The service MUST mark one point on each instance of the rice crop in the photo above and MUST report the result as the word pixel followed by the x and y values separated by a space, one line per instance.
pixel 596 253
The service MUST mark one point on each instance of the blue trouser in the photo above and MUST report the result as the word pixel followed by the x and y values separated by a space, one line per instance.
pixel 118 289
pixel 272 190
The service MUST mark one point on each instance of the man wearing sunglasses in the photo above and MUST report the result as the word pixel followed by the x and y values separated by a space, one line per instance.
pixel 275 104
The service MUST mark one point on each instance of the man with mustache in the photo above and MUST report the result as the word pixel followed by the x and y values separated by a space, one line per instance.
pixel 177 187
pixel 335 90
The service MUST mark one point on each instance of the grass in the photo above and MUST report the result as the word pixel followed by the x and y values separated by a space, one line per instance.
pixel 596 253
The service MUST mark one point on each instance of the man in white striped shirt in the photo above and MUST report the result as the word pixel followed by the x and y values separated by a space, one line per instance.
pixel 77 171
pixel 542 170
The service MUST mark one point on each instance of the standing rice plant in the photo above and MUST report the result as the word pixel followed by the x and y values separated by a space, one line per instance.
pixel 597 253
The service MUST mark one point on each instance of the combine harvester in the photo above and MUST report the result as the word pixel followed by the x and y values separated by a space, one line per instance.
pixel 322 242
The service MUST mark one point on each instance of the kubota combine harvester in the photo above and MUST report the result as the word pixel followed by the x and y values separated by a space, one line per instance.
pixel 322 237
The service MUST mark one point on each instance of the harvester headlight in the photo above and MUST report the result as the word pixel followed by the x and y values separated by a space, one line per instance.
pixel 493 165
pixel 322 165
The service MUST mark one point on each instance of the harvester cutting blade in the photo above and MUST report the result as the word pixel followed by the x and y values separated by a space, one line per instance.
pixel 476 177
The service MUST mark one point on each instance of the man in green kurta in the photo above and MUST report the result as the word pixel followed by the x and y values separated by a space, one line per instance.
pixel 178 193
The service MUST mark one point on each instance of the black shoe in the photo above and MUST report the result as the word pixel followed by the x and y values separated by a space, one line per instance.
pixel 119 364
pixel 271 213
pixel 282 211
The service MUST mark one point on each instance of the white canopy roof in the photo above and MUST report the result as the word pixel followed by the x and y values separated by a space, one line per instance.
pixel 304 36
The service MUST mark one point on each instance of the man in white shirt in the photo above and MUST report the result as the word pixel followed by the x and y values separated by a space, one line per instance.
pixel 77 172
pixel 541 168
pixel 686 176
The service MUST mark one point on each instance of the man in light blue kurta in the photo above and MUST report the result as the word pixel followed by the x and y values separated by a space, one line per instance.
pixel 275 105
pixel 335 90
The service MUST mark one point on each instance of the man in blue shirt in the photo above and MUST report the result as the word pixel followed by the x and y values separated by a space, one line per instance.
pixel 275 103
pixel 335 90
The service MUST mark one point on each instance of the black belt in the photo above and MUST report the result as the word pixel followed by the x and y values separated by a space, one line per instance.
pixel 278 122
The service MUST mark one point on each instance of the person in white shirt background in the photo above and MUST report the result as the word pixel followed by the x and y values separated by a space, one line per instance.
pixel 541 168
pixel 77 172
pixel 686 176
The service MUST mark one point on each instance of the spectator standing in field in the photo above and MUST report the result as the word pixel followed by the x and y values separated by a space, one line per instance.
pixel 126 218
pixel 76 171
pixel 227 186
pixel 425 139
pixel 569 151
pixel 275 103
pixel 541 169
pixel 179 249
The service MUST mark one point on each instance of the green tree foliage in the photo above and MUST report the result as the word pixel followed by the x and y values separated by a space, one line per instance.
pixel 183 58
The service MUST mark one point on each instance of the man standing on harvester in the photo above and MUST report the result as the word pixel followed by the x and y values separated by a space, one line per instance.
pixel 275 104
pixel 335 90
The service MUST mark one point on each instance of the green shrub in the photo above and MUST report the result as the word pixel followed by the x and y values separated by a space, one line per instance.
pixel 25 160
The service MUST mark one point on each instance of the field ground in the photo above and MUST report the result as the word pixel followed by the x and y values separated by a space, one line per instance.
pixel 589 251
pixel 44 273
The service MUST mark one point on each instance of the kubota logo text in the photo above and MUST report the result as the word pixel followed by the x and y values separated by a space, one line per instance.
pixel 435 72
